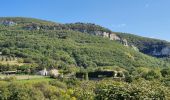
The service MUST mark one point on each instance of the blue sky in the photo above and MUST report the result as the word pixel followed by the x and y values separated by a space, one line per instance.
pixel 150 18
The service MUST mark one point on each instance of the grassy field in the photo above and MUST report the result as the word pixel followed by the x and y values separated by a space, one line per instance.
pixel 28 78
pixel 35 80
pixel 22 77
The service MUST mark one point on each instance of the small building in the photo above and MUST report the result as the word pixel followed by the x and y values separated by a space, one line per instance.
pixel 52 72
pixel 43 72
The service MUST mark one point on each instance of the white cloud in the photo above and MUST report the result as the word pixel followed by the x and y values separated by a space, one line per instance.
pixel 119 26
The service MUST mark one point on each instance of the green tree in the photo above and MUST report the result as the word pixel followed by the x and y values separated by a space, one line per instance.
pixel 165 72
pixel 152 74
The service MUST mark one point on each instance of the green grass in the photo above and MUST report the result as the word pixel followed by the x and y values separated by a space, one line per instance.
pixel 28 78
pixel 33 79
pixel 22 77
pixel 37 80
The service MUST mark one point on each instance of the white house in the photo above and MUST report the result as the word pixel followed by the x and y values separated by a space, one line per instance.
pixel 52 72
pixel 43 72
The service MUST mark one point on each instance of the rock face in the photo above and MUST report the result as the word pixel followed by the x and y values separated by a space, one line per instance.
pixel 124 42
pixel 32 27
pixel 105 34
pixel 8 23
pixel 111 36
pixel 165 51
pixel 114 37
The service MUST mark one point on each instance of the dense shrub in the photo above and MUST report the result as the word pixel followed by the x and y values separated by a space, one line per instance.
pixel 153 75
pixel 165 72
pixel 138 90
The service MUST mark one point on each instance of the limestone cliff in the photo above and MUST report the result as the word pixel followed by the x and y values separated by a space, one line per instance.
pixel 7 23
pixel 165 51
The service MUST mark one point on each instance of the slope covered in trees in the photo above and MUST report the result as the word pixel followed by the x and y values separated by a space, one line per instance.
pixel 46 44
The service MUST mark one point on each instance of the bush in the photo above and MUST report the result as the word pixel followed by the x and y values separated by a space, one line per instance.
pixel 137 90
pixel 58 84
pixel 152 75
pixel 165 72
pixel 111 92
pixel 5 51
pixel 27 60
pixel 20 60
pixel 10 79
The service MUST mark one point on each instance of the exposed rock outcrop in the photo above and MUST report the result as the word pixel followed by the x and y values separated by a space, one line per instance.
pixel 105 34
pixel 114 37
pixel 32 27
pixel 165 51
pixel 134 47
pixel 124 42
pixel 8 23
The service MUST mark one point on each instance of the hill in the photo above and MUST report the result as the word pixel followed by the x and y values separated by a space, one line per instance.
pixel 46 44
